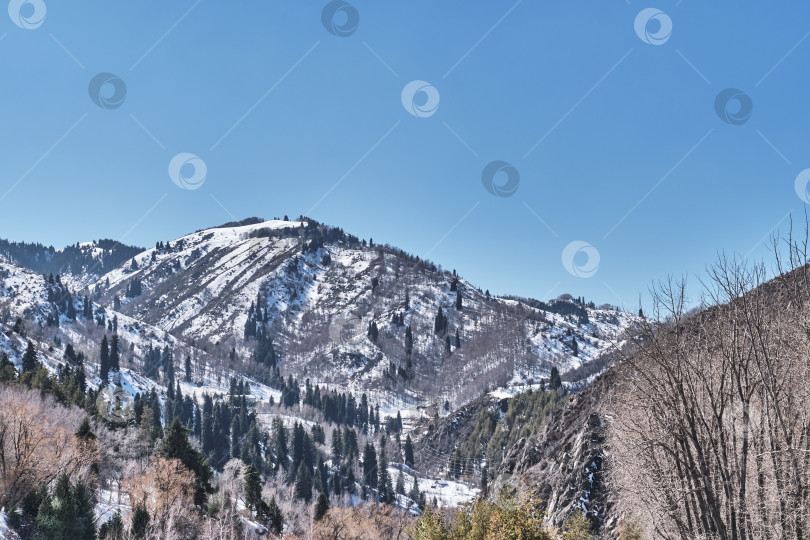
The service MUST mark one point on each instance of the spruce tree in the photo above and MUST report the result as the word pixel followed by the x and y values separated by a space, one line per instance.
pixel 370 465
pixel 253 488
pixel 115 357
pixel 321 507
pixel 187 375
pixel 303 483
pixel 458 300
pixel 414 493
pixel 29 361
pixel 400 489
pixel 176 445
pixel 275 520
pixel 408 451
pixel 104 360
pixel 337 446
pixel 71 309
pixel 384 481
pixel 140 521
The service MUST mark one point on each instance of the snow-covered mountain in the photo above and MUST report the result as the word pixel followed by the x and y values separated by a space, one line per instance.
pixel 343 312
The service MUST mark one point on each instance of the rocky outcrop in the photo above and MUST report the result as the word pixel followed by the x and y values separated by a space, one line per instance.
pixel 566 462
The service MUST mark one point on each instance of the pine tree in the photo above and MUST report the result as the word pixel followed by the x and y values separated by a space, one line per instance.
pixel 235 432
pixel 104 360
pixel 140 521
pixel 67 513
pixel 176 445
pixel 303 483
pixel 408 451
pixel 400 489
pixel 29 360
pixel 414 493
pixel 574 346
pixel 408 341
pixel 554 379
pixel 71 309
pixel 321 507
pixel 253 488
pixel 370 465
pixel 337 446
pixel 115 358
pixel 373 332
pixel 168 366
pixel 207 428
pixel 275 520
pixel 85 432
pixel 458 300
pixel 187 375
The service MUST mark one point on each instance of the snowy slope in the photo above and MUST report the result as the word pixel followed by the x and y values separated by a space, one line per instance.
pixel 319 291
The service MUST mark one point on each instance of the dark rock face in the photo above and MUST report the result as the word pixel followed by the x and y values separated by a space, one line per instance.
pixel 566 462
pixel 438 438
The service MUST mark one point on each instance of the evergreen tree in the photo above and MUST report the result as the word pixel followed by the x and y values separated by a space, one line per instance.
pixel 114 528
pixel 414 493
pixel 253 488
pixel 373 332
pixel 140 521
pixel 337 445
pixel 104 360
pixel 85 432
pixel 207 428
pixel 303 483
pixel 408 451
pixel 280 444
pixel 187 375
pixel 574 346
pixel 440 323
pixel 235 432
pixel 67 513
pixel 115 357
pixel 168 366
pixel 71 309
pixel 321 507
pixel 458 300
pixel 400 489
pixel 176 445
pixel 29 360
pixel 370 465
pixel 275 521
pixel 555 382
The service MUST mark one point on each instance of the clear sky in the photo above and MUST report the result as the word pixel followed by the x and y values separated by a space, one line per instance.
pixel 608 128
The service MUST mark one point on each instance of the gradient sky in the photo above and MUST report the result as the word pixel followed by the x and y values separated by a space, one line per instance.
pixel 290 119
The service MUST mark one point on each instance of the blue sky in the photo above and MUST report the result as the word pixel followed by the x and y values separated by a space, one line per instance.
pixel 628 154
